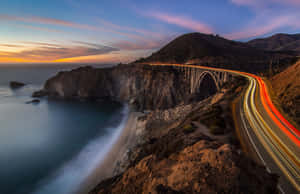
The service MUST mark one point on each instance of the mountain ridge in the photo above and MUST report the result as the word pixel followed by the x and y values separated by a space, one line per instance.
pixel 216 51
pixel 278 42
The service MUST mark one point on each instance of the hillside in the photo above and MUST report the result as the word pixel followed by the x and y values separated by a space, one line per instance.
pixel 287 87
pixel 215 51
pixel 189 149
pixel 278 42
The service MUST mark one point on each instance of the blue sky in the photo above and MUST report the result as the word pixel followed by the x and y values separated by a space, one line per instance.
pixel 112 31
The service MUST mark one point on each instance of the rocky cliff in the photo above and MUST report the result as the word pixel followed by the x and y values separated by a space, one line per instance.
pixel 189 149
pixel 142 86
pixel 183 145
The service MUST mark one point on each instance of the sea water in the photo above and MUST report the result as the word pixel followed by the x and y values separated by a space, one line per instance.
pixel 52 146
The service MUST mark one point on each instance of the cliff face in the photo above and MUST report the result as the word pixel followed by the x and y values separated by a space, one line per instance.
pixel 144 87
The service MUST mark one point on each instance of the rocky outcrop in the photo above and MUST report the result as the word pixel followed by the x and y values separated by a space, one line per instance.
pixel 205 167
pixel 144 87
pixel 176 154
pixel 16 85
pixel 34 101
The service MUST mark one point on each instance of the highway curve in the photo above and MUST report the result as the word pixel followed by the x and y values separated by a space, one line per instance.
pixel 274 140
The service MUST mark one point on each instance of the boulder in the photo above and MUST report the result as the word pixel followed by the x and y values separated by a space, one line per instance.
pixel 16 85
pixel 39 94
pixel 34 101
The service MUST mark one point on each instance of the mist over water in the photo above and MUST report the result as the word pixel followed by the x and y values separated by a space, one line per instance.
pixel 69 177
pixel 52 146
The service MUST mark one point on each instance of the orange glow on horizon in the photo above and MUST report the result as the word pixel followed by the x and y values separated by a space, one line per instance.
pixel 16 60
pixel 85 59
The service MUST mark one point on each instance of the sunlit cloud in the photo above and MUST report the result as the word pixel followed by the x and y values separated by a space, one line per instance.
pixel 51 52
pixel 264 3
pixel 39 28
pixel 267 20
pixel 113 57
pixel 143 32
pixel 11 45
pixel 261 26
pixel 40 44
pixel 138 45
pixel 182 21
pixel 136 39
pixel 62 23
pixel 41 20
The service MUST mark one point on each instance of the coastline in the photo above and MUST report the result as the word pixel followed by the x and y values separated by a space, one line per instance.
pixel 117 154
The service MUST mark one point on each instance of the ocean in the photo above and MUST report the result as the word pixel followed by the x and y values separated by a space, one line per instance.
pixel 52 146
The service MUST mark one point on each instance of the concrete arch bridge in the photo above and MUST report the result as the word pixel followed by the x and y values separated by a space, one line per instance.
pixel 196 76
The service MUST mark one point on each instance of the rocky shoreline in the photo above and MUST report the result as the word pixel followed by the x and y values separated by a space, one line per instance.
pixel 179 150
pixel 180 144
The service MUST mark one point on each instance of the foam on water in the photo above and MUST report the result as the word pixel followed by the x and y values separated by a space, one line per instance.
pixel 69 177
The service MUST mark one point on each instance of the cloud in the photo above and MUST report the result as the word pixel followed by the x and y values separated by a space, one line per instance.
pixel 51 52
pixel 264 24
pixel 39 28
pixel 138 45
pixel 40 44
pixel 63 23
pixel 270 17
pixel 182 21
pixel 265 3
pixel 148 38
pixel 143 32
pixel 11 45
pixel 133 39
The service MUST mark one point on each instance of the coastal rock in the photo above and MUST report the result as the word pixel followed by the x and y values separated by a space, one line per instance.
pixel 34 101
pixel 39 94
pixel 16 85
pixel 144 87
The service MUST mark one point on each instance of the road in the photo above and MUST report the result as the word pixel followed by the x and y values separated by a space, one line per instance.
pixel 274 140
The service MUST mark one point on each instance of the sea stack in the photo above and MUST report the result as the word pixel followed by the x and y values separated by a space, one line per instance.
pixel 16 85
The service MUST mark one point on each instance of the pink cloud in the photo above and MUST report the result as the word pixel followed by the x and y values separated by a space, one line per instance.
pixel 182 21
pixel 267 20
pixel 137 38
pixel 49 52
pixel 130 29
pixel 263 3
pixel 138 45
pixel 63 23
pixel 262 25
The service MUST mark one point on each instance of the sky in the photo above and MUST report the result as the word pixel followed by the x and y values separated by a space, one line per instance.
pixel 114 31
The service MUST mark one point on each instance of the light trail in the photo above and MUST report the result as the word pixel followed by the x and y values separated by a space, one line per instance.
pixel 279 138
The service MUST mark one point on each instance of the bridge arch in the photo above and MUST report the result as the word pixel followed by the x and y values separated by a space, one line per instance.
pixel 197 80
pixel 196 76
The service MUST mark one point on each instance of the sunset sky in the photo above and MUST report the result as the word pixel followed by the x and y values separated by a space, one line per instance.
pixel 111 31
